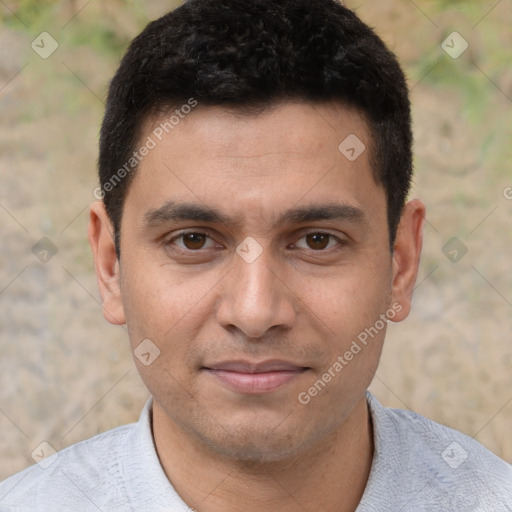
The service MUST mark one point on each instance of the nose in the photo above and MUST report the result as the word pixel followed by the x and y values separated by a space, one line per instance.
pixel 255 297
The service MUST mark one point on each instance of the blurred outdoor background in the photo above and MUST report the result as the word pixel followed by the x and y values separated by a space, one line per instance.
pixel 65 374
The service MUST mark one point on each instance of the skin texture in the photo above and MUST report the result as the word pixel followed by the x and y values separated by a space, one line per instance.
pixel 301 301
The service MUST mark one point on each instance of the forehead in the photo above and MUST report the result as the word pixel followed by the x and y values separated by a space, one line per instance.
pixel 308 127
pixel 252 164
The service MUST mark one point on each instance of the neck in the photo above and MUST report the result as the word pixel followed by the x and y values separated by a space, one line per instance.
pixel 330 476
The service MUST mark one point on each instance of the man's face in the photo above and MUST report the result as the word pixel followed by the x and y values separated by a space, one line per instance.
pixel 243 334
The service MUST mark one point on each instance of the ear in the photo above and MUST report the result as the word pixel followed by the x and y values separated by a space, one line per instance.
pixel 406 256
pixel 101 239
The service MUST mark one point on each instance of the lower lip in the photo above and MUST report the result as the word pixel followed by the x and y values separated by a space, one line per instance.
pixel 255 383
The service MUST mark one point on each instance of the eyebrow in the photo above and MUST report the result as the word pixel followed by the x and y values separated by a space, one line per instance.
pixel 172 211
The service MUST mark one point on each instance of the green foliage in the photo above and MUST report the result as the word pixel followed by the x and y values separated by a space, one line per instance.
pixel 101 37
pixel 29 12
pixel 88 29
pixel 467 75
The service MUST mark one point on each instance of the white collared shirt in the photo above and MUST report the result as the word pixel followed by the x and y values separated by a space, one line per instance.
pixel 418 465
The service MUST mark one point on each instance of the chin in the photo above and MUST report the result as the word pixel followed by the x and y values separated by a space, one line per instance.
pixel 253 446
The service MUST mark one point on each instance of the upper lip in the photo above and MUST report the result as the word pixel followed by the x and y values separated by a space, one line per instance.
pixel 241 366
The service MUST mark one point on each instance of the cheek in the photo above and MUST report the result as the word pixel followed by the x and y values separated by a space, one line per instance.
pixel 350 300
pixel 160 320
pixel 150 302
pixel 164 305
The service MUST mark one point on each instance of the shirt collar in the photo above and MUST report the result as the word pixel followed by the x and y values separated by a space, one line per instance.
pixel 149 488
pixel 145 481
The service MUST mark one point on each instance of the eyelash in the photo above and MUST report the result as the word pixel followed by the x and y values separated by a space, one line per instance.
pixel 170 241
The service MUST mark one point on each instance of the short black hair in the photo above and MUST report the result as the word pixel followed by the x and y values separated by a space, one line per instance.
pixel 251 55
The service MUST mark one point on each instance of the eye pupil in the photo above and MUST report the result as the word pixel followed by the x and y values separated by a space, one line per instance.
pixel 196 239
pixel 320 240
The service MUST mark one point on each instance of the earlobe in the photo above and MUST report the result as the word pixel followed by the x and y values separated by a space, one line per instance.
pixel 406 255
pixel 106 264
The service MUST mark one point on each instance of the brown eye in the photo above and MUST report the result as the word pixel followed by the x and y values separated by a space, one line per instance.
pixel 318 241
pixel 193 241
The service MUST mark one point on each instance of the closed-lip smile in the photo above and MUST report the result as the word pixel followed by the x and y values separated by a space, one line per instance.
pixel 250 377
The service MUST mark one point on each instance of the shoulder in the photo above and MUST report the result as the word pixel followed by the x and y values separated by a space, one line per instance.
pixel 447 446
pixel 70 477
pixel 437 463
